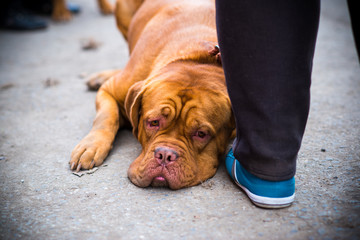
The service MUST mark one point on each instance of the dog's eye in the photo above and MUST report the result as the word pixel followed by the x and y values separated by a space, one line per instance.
pixel 154 123
pixel 200 134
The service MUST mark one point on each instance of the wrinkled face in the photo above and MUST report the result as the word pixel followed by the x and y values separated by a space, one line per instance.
pixel 183 130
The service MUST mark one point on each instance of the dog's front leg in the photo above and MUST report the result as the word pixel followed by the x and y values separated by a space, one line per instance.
pixel 93 149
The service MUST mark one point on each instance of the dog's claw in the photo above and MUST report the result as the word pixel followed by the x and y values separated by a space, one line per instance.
pixel 92 164
pixel 78 167
pixel 72 166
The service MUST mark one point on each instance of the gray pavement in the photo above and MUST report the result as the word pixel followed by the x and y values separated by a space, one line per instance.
pixel 45 110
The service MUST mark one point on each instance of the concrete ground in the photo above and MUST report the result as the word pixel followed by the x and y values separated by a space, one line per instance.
pixel 45 109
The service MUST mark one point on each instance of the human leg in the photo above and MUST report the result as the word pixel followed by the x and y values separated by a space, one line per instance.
pixel 267 49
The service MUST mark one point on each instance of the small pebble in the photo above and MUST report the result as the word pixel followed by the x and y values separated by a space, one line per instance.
pixel 6 86
pixel 89 44
pixel 50 82
pixel 83 75
pixel 323 150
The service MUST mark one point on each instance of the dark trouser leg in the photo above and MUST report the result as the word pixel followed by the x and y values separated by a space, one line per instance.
pixel 14 16
pixel 355 23
pixel 267 49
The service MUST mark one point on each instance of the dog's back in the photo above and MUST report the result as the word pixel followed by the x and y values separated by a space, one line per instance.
pixel 162 31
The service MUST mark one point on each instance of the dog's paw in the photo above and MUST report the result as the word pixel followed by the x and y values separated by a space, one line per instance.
pixel 95 81
pixel 91 151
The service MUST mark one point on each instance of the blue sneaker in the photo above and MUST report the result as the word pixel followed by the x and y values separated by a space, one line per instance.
pixel 263 193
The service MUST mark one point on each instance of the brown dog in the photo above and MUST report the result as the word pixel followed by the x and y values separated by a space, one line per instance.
pixel 61 13
pixel 172 91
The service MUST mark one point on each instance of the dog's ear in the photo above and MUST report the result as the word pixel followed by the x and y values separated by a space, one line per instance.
pixel 203 52
pixel 133 105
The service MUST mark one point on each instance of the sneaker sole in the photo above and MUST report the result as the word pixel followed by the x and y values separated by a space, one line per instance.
pixel 264 202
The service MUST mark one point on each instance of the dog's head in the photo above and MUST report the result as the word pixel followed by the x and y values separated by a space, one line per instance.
pixel 182 118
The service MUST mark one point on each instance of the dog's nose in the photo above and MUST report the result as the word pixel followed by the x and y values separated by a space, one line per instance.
pixel 165 155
